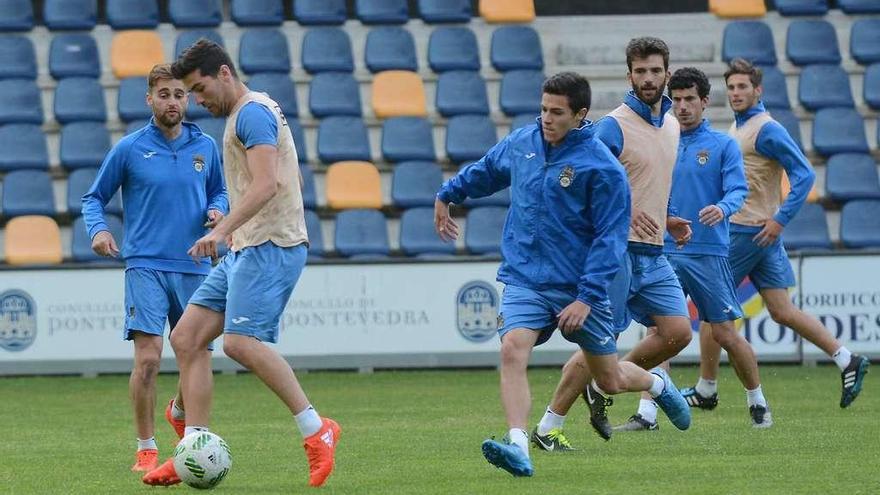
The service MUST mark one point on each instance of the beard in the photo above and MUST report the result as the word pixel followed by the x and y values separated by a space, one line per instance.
pixel 169 120
pixel 658 93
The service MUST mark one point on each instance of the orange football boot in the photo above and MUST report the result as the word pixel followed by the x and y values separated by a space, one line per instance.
pixel 320 451
pixel 147 460
pixel 179 425
pixel 164 475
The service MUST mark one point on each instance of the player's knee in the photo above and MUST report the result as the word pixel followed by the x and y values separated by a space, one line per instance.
pixel 235 348
pixel 678 335
pixel 725 337
pixel 147 367
pixel 181 342
pixel 512 354
pixel 610 383
pixel 783 314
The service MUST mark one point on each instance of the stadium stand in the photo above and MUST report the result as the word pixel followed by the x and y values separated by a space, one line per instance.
pixel 791 123
pixel 309 193
pixel 775 93
pixel 453 48
pixel 824 86
pixel 28 192
pixel 316 237
pixel 343 138
pixel 280 87
pixel 801 7
pixel 521 92
pixel 74 15
pixel 187 38
pixel 194 111
pixel 16 15
pixel 257 12
pixel 78 184
pixel 353 184
pixel 522 120
pixel 483 232
pixel 361 233
pixel 855 7
pixel 407 138
pixel 134 53
pixel 382 11
pixel 319 12
pixel 516 47
pixel 864 41
pixel 81 244
pixel 131 100
pixel 25 146
pixel 415 184
pixel 871 86
pixel 442 11
pixel 390 48
pixel 299 140
pixel 327 49
pixel 135 125
pixel 398 93
pixel 32 240
pixel 860 224
pixel 334 93
pixel 507 11
pixel 79 98
pixel 469 137
pixel 417 235
pixel 461 92
pixel 751 40
pixel 263 50
pixel 213 127
pixel 808 229
pixel 74 55
pixel 17 58
pixel 812 42
pixel 196 13
pixel 839 130
pixel 20 102
pixel 852 176
pixel 132 14
pixel 83 144
pixel 738 8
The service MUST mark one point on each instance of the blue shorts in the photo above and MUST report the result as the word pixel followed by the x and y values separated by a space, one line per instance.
pixel 767 267
pixel 645 286
pixel 252 287
pixel 707 280
pixel 153 296
pixel 527 308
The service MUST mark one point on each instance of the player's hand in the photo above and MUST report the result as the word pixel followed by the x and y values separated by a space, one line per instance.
pixel 680 230
pixel 643 224
pixel 214 217
pixel 103 244
pixel 768 235
pixel 206 246
pixel 445 226
pixel 711 215
pixel 573 316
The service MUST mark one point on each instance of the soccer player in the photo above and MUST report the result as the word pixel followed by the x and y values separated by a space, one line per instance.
pixel 644 138
pixel 756 248
pixel 245 294
pixel 562 243
pixel 166 169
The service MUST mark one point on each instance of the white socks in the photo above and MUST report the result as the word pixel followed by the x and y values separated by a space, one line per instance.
pixel 177 412
pixel 706 388
pixel 842 358
pixel 193 429
pixel 308 421
pixel 148 444
pixel 648 410
pixel 656 387
pixel 549 421
pixel 519 438
pixel 756 397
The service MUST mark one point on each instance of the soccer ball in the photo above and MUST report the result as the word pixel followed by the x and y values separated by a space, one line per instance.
pixel 202 459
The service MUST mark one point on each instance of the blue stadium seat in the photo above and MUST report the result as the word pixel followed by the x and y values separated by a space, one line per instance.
pixel 78 184
pixel 79 15
pixel 334 93
pixel 437 11
pixel 361 232
pixel 812 42
pixel 382 11
pixel 195 13
pixel 860 224
pixel 263 50
pixel 855 7
pixel 319 12
pixel 407 138
pixel 839 130
pixel 343 138
pixel 864 41
pixel 132 14
pixel 417 235
pixel 16 15
pixel 871 86
pixel 751 40
pixel 188 38
pixel 79 98
pixel 28 192
pixel 521 92
pixel 801 7
pixel 824 86
pixel 131 101
pixel 257 12
pixel 523 120
pixel 327 49
pixel 25 146
pixel 453 48
pixel 469 137
pixel 84 144
pixel 81 244
pixel 20 102
pixel 851 176
pixel 135 125
pixel 214 127
pixel 791 123
pixel 17 58
pixel 390 48
pixel 483 229
pixel 299 139
pixel 461 92
pixel 74 55
pixel 279 87
pixel 316 236
pixel 415 184
pixel 775 93
pixel 808 229
pixel 309 194
pixel 516 47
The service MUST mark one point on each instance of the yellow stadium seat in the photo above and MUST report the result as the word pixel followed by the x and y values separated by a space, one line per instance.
pixel 398 93
pixel 786 188
pixel 353 185
pixel 501 11
pixel 738 8
pixel 33 240
pixel 134 53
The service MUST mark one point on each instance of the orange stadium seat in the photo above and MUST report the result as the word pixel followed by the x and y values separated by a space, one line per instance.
pixel 134 53
pixel 738 8
pixel 786 188
pixel 502 11
pixel 398 93
pixel 33 240
pixel 353 185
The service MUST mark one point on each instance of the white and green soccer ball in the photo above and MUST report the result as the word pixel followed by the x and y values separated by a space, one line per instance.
pixel 202 459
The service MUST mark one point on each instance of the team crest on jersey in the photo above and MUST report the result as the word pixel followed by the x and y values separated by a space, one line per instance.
pixel 18 320
pixel 703 157
pixel 477 311
pixel 198 163
pixel 566 177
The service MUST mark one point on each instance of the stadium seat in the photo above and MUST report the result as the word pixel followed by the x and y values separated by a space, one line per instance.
pixel 390 48
pixel 851 176
pixel 17 58
pixel 461 92
pixel 299 139
pixel 74 55
pixel 361 232
pixel 131 103
pixel 257 12
pixel 398 93
pixel 353 185
pixel 83 144
pixel 871 86
pixel 309 193
pixel 812 42
pixel 791 123
pixel 808 229
pixel 214 127
pixel 824 86
pixel 469 137
pixel 25 146
pixel 860 224
pixel 801 7
pixel 484 228
pixel 132 14
pixel 439 11
pixel 417 235
pixel 327 49
pixel 407 138
pixel 785 189
pixel 16 15
pixel 521 92
pixel 81 244
pixel 263 50
pixel 751 40
pixel 28 192
pixel 316 236
pixel 32 240
pixel 864 41
pixel 453 48
pixel 20 102
pixel 775 93
pixel 78 184
pixel 334 93
pixel 839 130
pixel 504 11
pixel 522 121
pixel 135 125
pixel 279 87
pixel 516 47
pixel 196 13
pixel 855 7
pixel 382 11
pixel 79 15
pixel 737 8
pixel 134 53
pixel 187 39
pixel 319 12
pixel 79 98
pixel 343 138
pixel 415 184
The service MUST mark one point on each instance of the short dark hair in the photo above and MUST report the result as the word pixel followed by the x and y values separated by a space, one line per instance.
pixel 573 86
pixel 205 56
pixel 644 47
pixel 743 66
pixel 688 77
